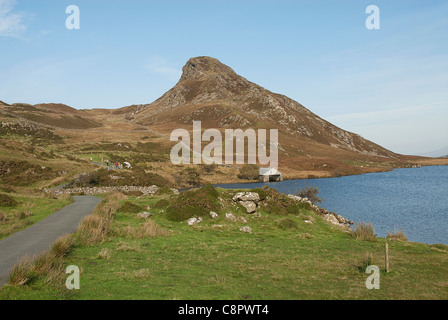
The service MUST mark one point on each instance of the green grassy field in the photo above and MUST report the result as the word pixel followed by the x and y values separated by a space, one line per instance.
pixel 215 260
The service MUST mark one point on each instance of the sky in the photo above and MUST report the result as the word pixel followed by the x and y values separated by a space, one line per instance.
pixel 390 85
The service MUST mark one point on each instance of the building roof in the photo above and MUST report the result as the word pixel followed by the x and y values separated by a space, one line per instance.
pixel 269 172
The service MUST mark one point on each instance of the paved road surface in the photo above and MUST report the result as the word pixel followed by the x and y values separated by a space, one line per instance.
pixel 41 235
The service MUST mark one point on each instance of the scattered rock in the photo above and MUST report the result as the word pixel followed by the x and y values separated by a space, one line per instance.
pixel 194 221
pixel 246 229
pixel 246 196
pixel 296 198
pixel 230 216
pixel 326 215
pixel 331 218
pixel 248 200
pixel 144 215
pixel 213 214
pixel 250 206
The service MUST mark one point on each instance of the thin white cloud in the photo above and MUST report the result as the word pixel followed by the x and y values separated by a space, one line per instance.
pixel 11 24
pixel 407 130
pixel 390 115
pixel 160 66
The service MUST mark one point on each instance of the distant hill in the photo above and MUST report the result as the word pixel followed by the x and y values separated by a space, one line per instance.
pixel 51 114
pixel 439 153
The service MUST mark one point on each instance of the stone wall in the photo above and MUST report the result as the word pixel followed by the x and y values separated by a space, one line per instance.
pixel 98 190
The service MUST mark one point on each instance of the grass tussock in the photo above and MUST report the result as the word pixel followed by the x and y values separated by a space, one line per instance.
pixel 61 247
pixel 7 201
pixel 96 227
pixel 397 235
pixel 287 224
pixel 105 254
pixel 364 231
pixel 22 272
pixel 123 246
pixel 367 260
pixel 149 229
pixel 3 217
pixel 49 262
pixel 129 207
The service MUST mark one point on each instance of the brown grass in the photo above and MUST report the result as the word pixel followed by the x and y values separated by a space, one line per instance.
pixel 105 254
pixel 22 271
pixel 96 227
pixel 364 231
pixel 397 235
pixel 148 229
pixel 62 246
pixel 366 261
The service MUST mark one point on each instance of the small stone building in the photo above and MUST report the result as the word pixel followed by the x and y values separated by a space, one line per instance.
pixel 270 174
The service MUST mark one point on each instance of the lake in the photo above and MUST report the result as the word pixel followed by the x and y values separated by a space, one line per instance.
pixel 414 200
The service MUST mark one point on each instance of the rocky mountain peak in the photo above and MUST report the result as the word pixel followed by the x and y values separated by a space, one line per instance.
pixel 199 67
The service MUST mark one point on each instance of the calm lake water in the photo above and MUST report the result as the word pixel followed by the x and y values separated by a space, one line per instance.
pixel 414 200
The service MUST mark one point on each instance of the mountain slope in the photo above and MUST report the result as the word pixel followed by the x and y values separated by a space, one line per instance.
pixel 50 114
pixel 213 93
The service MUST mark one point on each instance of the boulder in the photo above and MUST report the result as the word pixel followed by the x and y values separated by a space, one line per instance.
pixel 213 214
pixel 230 216
pixel 250 206
pixel 144 215
pixel 246 229
pixel 295 198
pixel 331 218
pixel 246 196
pixel 194 221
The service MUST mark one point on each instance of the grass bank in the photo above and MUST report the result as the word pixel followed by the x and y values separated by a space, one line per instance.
pixel 289 254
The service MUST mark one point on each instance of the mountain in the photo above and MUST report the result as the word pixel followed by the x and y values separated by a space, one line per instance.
pixel 215 94
pixel 439 153
pixel 210 92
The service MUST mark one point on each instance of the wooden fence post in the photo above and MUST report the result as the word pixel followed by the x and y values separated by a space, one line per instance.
pixel 387 257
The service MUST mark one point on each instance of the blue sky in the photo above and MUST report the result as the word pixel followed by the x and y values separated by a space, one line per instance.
pixel 388 85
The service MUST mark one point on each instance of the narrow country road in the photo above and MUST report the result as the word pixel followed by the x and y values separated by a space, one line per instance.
pixel 42 234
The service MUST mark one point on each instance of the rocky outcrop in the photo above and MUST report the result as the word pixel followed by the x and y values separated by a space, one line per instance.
pixel 248 200
pixel 326 215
